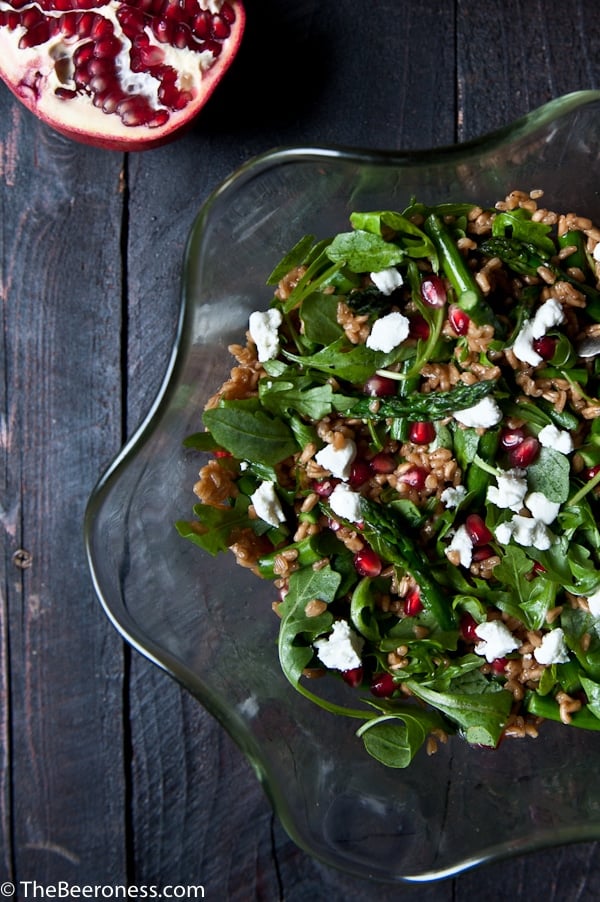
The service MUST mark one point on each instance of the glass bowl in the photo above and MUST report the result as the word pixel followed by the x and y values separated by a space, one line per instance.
pixel 209 622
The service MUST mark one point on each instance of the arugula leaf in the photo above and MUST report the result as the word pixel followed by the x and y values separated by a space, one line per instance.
pixel 521 228
pixel 297 631
pixel 319 316
pixel 529 600
pixel 214 525
pixel 364 251
pixel 550 473
pixel 295 257
pixel 200 441
pixel 352 363
pixel 249 433
pixel 397 227
pixel 395 737
pixel 297 393
pixel 481 715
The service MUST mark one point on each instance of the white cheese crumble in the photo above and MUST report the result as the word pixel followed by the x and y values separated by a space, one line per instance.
pixel 267 505
pixel 387 280
pixel 542 508
pixel 510 490
pixel 497 640
pixel 461 542
pixel 527 531
pixel 337 460
pixel 596 253
pixel 559 439
pixel 388 332
pixel 481 415
pixel 263 326
pixel 553 649
pixel 345 503
pixel 547 316
pixel 453 495
pixel 341 649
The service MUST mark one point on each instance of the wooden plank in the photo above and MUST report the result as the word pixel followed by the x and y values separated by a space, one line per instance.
pixel 63 780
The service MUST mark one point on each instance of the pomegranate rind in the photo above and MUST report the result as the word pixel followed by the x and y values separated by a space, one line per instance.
pixel 30 77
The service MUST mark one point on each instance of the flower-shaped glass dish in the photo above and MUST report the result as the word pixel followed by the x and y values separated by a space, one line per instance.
pixel 209 622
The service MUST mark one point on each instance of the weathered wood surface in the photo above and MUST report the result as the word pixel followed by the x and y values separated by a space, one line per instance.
pixel 109 773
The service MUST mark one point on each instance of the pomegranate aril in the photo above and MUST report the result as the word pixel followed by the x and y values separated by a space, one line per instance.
pixel 107 47
pixel 35 36
pixel 458 319
pixel 134 111
pixel 202 25
pixel 421 433
pixel 419 327
pixel 220 28
pixel 433 291
pixel 478 531
pixel 353 677
pixel 499 665
pixel 112 100
pixel 591 472
pixel 210 47
pixel 380 386
pixel 228 13
pixel 510 438
pixel 468 625
pixel 383 463
pixel 163 30
pixel 360 472
pixel 383 685
pixel 525 452
pixel 85 24
pixel 367 562
pixel 545 346
pixel 324 487
pixel 412 603
pixel 482 553
pixel 83 54
pixel 415 477
pixel 159 118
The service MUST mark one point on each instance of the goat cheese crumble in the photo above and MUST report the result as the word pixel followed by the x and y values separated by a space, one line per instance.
pixel 559 439
pixel 345 503
pixel 387 280
pixel 267 505
pixel 388 332
pixel 264 331
pixel 337 460
pixel 341 649
pixel 482 415
pixel 553 649
pixel 509 491
pixel 496 640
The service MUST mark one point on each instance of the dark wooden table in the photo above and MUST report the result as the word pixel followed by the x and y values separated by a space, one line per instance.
pixel 109 773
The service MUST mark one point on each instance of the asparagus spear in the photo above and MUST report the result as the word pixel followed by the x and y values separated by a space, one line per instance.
pixel 420 406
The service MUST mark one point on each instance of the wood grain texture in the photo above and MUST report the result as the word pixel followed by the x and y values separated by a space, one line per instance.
pixel 109 772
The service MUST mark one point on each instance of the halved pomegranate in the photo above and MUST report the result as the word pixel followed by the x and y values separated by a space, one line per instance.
pixel 119 75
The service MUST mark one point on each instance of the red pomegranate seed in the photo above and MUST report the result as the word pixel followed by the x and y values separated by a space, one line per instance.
pixel 433 291
pixel 228 13
pixel 107 47
pixel 383 463
pixel 220 28
pixel 383 685
pixel 353 677
pixel 202 25
pixel 367 562
pixel 360 472
pixel 592 471
pixel 538 568
pixel 510 438
pixel 468 625
pixel 324 487
pixel 419 327
pixel 412 603
pixel 380 386
pixel 545 346
pixel 524 453
pixel 458 319
pixel 421 433
pixel 499 665
pixel 35 36
pixel 478 531
pixel 415 477
pixel 482 553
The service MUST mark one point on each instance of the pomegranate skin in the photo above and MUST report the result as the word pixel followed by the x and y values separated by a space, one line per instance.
pixel 61 88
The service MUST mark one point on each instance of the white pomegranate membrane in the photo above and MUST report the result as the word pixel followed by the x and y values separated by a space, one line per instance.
pixel 122 75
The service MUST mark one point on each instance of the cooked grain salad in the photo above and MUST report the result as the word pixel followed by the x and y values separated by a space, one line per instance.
pixel 408 447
